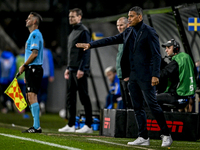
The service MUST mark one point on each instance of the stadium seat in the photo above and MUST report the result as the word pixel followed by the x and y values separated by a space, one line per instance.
pixel 180 104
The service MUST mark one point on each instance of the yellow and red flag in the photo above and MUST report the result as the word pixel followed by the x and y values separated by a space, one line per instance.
pixel 14 92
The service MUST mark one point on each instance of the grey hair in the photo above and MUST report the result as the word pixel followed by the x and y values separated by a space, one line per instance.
pixel 110 68
pixel 124 19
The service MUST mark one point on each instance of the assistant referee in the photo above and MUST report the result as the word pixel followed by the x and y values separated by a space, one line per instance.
pixel 33 69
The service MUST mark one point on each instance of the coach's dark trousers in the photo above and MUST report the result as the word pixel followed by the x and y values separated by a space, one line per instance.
pixel 139 92
pixel 80 85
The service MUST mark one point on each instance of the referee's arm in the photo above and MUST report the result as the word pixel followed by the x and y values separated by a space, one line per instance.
pixel 31 58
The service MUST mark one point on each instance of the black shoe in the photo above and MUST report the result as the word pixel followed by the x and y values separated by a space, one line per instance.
pixel 33 130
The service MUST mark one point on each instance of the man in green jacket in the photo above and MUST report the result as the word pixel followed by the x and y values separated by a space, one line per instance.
pixel 180 75
pixel 122 24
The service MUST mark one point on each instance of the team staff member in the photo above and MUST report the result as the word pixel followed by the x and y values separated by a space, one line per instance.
pixel 122 24
pixel 141 63
pixel 33 68
pixel 77 73
pixel 179 74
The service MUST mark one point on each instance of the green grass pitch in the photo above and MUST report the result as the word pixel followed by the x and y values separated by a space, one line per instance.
pixel 11 138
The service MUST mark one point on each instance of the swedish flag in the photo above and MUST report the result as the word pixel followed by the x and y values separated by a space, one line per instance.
pixel 193 24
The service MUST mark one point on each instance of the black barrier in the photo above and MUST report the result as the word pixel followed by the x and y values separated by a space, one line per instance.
pixel 183 126
pixel 114 122
pixel 131 127
pixel 122 123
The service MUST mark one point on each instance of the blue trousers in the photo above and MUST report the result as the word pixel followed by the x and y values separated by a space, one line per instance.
pixel 140 91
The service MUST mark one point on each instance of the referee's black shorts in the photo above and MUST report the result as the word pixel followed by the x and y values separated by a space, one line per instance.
pixel 33 76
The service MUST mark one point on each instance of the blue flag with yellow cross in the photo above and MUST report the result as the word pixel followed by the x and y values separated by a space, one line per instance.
pixel 193 24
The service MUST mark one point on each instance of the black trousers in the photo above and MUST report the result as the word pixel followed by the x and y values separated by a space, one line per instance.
pixel 125 94
pixel 139 92
pixel 80 85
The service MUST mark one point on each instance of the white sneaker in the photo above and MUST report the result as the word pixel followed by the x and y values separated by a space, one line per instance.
pixel 67 129
pixel 140 141
pixel 166 141
pixel 85 129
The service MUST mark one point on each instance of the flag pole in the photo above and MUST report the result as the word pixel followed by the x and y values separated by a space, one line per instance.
pixel 17 75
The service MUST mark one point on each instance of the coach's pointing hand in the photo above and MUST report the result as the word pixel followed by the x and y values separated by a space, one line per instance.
pixel 85 46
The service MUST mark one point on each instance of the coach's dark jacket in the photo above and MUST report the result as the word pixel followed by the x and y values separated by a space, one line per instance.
pixel 141 54
pixel 77 58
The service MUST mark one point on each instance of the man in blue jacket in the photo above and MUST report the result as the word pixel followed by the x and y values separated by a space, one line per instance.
pixel 141 46
pixel 114 95
pixel 7 73
pixel 48 76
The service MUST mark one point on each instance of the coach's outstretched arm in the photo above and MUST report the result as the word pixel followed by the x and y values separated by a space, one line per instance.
pixel 85 46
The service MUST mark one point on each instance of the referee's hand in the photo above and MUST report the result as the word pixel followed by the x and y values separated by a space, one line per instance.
pixel 21 69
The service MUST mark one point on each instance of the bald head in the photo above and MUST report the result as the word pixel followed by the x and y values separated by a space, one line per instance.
pixel 124 19
pixel 122 24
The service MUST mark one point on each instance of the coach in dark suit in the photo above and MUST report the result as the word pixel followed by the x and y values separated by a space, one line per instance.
pixel 140 65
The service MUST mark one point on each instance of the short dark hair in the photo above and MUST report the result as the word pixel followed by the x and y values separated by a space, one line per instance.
pixel 77 10
pixel 39 18
pixel 137 9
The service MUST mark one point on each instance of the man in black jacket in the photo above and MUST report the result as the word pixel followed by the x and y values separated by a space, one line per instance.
pixel 77 72
pixel 141 63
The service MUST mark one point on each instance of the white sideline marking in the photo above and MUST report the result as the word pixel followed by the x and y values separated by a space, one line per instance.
pixel 119 144
pixel 41 142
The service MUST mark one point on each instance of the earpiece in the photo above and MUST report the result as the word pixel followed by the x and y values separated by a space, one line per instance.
pixel 176 46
